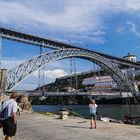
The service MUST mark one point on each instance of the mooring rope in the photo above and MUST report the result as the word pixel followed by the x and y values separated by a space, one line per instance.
pixel 79 115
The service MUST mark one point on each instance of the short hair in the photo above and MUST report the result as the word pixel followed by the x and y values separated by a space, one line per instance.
pixel 13 95
pixel 93 101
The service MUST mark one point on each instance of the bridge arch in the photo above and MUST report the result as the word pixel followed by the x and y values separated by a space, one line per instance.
pixel 17 74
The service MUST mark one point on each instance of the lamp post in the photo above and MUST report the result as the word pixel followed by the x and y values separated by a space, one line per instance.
pixel 0 69
pixel 0 50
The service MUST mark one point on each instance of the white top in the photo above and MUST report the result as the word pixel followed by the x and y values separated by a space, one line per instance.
pixel 92 108
pixel 12 106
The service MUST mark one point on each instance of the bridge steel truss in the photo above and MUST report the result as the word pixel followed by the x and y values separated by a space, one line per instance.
pixel 53 44
pixel 17 74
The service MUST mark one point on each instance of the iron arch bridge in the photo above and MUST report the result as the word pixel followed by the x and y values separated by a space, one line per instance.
pixel 17 74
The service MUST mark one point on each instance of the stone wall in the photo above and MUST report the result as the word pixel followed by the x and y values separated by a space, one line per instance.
pixel 24 103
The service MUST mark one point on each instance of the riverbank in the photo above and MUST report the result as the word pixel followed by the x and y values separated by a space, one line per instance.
pixel 35 126
pixel 82 100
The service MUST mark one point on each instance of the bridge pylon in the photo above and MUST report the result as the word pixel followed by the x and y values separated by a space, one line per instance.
pixel 2 82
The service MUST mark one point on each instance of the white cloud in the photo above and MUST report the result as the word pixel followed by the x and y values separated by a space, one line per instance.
pixel 132 5
pixel 129 26
pixel 120 29
pixel 70 15
pixel 52 73
pixel 79 38
pixel 74 16
pixel 99 32
pixel 11 63
pixel 133 28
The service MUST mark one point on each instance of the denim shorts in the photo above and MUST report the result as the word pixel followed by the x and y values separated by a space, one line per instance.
pixel 92 115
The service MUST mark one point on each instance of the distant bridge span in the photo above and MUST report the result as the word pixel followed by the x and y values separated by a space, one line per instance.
pixel 17 74
pixel 53 44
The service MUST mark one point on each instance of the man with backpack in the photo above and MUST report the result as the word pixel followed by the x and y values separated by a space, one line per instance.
pixel 8 117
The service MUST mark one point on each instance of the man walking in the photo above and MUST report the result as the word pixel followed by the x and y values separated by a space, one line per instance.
pixel 10 122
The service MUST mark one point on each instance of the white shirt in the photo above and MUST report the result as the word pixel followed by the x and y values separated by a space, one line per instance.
pixel 12 106
pixel 92 108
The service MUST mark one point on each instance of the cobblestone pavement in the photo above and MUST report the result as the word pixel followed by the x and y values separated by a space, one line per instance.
pixel 35 126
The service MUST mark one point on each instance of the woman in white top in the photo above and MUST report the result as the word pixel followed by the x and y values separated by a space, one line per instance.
pixel 93 109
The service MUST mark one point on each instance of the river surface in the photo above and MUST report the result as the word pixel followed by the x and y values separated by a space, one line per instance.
pixel 111 111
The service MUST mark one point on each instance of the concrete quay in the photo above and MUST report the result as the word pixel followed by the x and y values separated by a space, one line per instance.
pixel 35 126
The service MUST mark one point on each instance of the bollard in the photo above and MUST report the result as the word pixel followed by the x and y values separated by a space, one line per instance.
pixel 63 115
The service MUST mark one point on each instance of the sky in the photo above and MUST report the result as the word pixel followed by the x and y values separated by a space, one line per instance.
pixel 108 26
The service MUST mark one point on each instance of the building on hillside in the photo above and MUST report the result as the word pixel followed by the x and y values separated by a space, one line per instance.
pixel 130 57
pixel 100 82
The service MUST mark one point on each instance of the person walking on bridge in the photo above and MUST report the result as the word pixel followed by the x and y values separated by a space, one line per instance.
pixel 93 111
pixel 9 121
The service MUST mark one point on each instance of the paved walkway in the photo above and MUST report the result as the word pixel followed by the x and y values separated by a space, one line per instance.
pixel 34 126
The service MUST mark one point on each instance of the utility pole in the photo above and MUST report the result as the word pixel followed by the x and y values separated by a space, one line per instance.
pixel 2 73
pixel 73 73
pixel 0 69
pixel 41 75
pixel 0 50
pixel 71 83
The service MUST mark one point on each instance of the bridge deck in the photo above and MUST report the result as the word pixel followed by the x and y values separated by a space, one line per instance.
pixel 53 44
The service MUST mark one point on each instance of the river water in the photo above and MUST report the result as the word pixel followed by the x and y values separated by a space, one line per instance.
pixel 112 111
